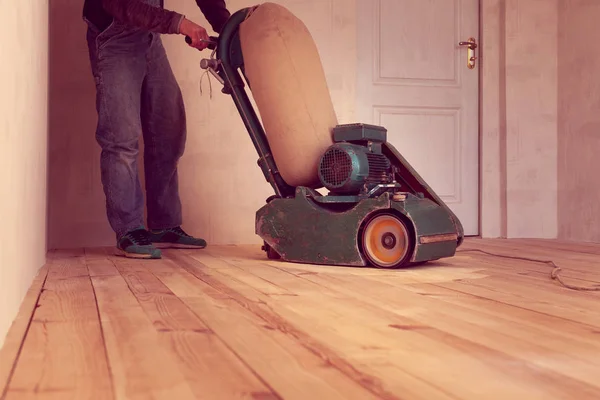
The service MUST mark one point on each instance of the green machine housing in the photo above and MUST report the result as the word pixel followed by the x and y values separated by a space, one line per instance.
pixel 378 211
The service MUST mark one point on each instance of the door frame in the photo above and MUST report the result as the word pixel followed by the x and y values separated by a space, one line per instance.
pixel 492 120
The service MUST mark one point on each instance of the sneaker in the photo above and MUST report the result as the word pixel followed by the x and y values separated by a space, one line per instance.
pixel 136 244
pixel 175 238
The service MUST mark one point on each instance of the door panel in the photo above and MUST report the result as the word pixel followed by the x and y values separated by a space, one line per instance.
pixel 413 79
pixel 405 25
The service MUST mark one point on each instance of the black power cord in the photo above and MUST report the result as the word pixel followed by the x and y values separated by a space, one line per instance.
pixel 554 275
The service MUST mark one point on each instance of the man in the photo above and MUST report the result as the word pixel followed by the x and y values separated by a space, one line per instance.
pixel 136 93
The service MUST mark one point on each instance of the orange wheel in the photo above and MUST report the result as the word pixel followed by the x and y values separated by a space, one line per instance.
pixel 386 241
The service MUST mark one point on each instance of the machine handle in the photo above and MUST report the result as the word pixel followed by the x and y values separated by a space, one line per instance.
pixel 212 43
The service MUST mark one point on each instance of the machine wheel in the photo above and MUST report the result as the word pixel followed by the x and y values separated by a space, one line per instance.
pixel 271 254
pixel 386 241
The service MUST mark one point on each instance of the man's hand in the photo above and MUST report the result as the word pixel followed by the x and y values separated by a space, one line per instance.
pixel 198 34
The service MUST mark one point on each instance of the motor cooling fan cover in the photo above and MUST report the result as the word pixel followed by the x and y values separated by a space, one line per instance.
pixel 344 168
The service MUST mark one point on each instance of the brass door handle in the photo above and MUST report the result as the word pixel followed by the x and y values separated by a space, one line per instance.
pixel 471 45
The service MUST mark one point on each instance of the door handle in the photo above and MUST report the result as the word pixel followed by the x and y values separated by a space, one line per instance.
pixel 471 45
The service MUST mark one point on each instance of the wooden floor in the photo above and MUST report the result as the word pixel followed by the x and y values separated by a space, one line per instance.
pixel 225 323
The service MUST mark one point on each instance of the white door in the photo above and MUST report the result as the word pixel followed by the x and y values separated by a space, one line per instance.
pixel 413 79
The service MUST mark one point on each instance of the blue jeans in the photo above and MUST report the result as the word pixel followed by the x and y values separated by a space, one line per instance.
pixel 137 93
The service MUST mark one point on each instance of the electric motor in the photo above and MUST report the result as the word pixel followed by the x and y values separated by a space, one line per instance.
pixel 347 168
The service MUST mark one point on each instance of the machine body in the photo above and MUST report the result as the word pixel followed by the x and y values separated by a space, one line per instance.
pixel 378 212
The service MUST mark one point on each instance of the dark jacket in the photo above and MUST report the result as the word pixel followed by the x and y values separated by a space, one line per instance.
pixel 155 19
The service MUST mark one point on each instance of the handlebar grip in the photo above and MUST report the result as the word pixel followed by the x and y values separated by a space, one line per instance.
pixel 212 44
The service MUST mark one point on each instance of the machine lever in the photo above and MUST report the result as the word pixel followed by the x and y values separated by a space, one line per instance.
pixel 207 63
pixel 211 65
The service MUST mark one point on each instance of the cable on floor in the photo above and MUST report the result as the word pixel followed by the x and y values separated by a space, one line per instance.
pixel 554 275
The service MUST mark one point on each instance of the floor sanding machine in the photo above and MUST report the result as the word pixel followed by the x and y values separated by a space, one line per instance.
pixel 377 211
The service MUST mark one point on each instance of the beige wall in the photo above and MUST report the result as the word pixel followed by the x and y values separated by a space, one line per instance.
pixel 221 184
pixel 519 118
pixel 23 144
pixel 579 121
pixel 75 199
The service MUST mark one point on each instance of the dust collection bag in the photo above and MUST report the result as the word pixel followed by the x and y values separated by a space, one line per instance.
pixel 289 87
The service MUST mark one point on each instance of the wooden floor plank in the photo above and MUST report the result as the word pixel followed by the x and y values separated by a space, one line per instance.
pixel 577 265
pixel 142 367
pixel 538 345
pixel 539 275
pixel 99 262
pixel 418 339
pixel 211 369
pixel 295 366
pixel 226 322
pixel 63 354
pixel 9 353
pixel 564 329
